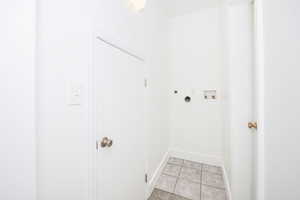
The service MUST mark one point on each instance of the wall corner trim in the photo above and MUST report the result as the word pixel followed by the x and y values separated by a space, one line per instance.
pixel 227 183
pixel 156 174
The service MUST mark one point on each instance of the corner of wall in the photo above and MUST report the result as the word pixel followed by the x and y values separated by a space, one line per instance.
pixel 156 174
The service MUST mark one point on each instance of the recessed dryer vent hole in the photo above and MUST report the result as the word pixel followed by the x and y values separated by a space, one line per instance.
pixel 187 99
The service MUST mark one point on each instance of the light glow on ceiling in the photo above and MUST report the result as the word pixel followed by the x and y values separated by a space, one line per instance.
pixel 137 5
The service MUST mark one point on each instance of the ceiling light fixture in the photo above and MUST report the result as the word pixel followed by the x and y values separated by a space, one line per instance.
pixel 137 5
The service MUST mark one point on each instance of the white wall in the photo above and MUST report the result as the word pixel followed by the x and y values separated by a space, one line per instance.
pixel 178 7
pixel 282 46
pixel 226 87
pixel 157 104
pixel 66 32
pixel 64 58
pixel 17 104
pixel 196 64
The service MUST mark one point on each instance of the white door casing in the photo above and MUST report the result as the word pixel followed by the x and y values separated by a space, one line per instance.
pixel 259 153
pixel 241 73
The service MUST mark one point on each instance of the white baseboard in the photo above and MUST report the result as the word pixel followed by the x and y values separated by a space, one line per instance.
pixel 196 157
pixel 227 185
pixel 157 174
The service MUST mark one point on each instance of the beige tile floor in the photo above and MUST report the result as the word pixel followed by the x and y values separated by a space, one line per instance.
pixel 187 180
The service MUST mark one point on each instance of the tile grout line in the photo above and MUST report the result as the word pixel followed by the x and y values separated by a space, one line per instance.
pixel 177 179
pixel 205 171
pixel 216 187
pixel 219 188
pixel 163 173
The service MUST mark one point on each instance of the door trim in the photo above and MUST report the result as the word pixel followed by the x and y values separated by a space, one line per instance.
pixel 259 99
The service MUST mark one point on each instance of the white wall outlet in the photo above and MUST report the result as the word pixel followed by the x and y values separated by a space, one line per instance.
pixel 210 94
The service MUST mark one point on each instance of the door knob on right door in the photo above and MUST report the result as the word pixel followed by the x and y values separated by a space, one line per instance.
pixel 252 125
pixel 105 142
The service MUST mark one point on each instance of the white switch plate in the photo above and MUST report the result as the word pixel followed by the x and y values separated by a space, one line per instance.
pixel 75 95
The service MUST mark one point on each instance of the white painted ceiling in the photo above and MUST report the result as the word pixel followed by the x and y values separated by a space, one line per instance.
pixel 180 7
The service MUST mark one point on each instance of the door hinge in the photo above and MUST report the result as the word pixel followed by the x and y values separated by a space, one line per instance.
pixel 145 83
pixel 146 178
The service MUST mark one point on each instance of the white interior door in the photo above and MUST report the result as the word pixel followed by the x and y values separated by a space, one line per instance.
pixel 241 62
pixel 119 105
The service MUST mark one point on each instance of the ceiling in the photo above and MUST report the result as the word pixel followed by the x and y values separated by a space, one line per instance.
pixel 180 7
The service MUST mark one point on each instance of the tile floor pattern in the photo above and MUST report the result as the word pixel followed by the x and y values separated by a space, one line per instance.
pixel 187 180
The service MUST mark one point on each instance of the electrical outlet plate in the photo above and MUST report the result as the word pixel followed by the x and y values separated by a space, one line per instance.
pixel 210 94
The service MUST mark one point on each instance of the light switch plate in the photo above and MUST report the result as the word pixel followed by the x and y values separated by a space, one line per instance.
pixel 75 95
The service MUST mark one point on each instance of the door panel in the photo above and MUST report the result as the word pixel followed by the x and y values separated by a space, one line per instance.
pixel 240 26
pixel 119 105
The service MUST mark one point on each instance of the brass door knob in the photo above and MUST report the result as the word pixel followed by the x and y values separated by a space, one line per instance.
pixel 105 142
pixel 252 125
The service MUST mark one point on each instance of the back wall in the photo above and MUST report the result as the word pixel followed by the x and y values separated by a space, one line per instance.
pixel 195 62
